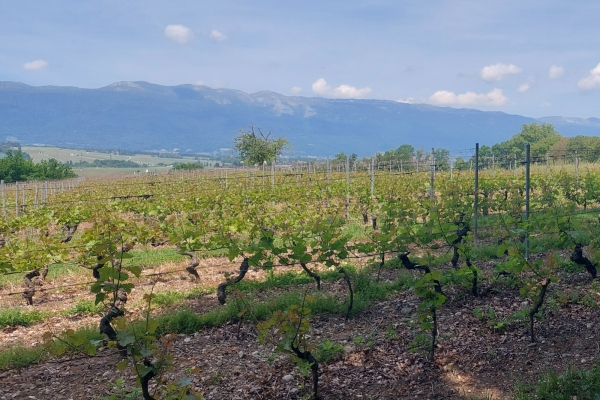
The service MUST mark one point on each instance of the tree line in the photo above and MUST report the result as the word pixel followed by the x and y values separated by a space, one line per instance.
pixel 16 167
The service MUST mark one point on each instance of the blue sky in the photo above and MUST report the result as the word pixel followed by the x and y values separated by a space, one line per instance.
pixel 534 58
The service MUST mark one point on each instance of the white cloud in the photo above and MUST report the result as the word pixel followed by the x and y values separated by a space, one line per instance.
pixel 218 36
pixel 555 72
pixel 493 98
pixel 178 33
pixel 35 65
pixel 592 80
pixel 523 88
pixel 408 100
pixel 498 71
pixel 344 91
pixel 295 90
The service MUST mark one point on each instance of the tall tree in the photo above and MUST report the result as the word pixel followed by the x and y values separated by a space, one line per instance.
pixel 258 149
pixel 541 137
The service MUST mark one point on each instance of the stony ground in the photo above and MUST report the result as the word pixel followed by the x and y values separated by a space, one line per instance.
pixel 479 353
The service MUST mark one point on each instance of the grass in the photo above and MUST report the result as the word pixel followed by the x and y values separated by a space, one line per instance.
pixel 55 271
pixel 17 317
pixel 85 307
pixel 184 320
pixel 573 384
pixel 170 297
pixel 19 356
pixel 152 257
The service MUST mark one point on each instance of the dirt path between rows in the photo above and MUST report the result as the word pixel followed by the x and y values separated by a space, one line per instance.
pixel 474 358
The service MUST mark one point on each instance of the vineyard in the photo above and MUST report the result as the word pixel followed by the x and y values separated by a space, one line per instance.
pixel 317 281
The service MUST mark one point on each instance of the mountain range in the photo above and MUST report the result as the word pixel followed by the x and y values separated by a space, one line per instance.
pixel 195 118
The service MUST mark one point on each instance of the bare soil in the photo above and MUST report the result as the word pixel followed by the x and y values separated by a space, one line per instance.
pixel 474 356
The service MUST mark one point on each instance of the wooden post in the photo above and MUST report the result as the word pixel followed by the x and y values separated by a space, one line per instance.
pixel 3 188
pixel 372 177
pixel 16 199
pixel 347 187
pixel 432 175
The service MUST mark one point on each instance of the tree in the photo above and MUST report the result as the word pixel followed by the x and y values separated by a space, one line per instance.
pixel 541 137
pixel 15 167
pixel 258 149
pixel 587 147
pixel 442 159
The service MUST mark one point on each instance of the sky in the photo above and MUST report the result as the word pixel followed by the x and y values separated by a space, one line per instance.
pixel 533 58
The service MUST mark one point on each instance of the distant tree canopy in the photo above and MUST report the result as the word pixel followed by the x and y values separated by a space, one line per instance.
pixel 15 167
pixel 341 158
pixel 541 137
pixel 258 149
pixel 187 166
pixel 587 147
pixel 106 164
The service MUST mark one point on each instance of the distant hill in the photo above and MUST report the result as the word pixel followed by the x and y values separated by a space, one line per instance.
pixel 144 116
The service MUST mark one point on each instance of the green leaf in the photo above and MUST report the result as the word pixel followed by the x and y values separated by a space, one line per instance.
pixel 135 270
pixel 153 325
pixel 100 297
pixel 125 338
pixel 234 251
pixel 121 365
pixel 183 382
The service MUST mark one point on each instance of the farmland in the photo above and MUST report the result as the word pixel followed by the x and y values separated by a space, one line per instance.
pixel 238 283
pixel 145 161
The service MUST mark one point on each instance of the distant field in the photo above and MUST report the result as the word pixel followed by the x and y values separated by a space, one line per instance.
pixel 75 155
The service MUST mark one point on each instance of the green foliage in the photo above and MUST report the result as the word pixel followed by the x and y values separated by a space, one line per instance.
pixel 390 333
pixel 18 317
pixel 328 351
pixel 19 356
pixel 106 164
pixel 187 166
pixel 15 167
pixel 541 137
pixel 573 384
pixel 588 147
pixel 119 391
pixel 258 149
pixel 84 307
pixel 421 342
pixel 341 158
pixel 289 330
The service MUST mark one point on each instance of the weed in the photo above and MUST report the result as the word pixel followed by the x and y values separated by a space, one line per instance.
pixel 391 333
pixel 574 383
pixel 85 307
pixel 119 391
pixel 421 342
pixel 18 357
pixel 589 301
pixel 327 351
pixel 18 317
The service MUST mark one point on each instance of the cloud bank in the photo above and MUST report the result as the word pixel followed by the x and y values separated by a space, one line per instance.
pixel 178 33
pixel 343 91
pixel 444 97
pixel 498 71
pixel 592 80
pixel 35 65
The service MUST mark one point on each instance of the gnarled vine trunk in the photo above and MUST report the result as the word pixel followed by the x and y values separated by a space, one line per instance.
pixel 194 262
pixel 578 258
pixel 310 273
pixel 221 293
